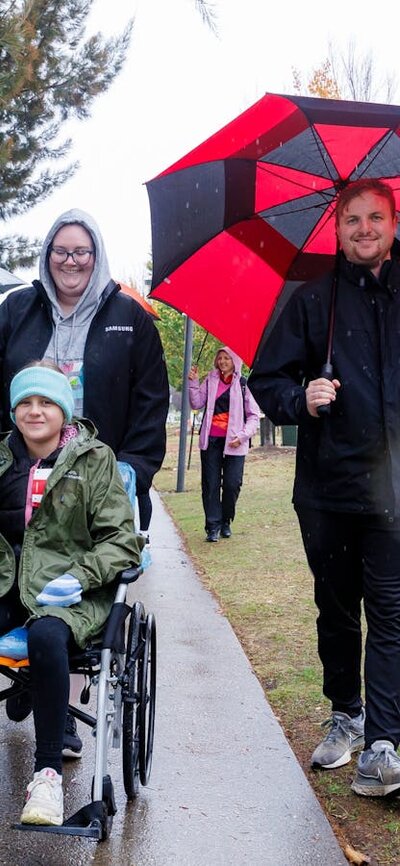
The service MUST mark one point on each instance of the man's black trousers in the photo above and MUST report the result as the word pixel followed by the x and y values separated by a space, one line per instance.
pixel 355 557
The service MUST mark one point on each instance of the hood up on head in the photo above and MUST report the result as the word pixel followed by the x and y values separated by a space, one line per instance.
pixel 100 276
pixel 237 362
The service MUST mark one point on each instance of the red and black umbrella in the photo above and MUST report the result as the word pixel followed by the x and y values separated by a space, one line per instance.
pixel 246 216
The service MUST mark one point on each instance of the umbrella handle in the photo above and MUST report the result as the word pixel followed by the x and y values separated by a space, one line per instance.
pixel 326 373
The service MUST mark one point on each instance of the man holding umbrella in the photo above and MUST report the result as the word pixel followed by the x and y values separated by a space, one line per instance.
pixel 347 483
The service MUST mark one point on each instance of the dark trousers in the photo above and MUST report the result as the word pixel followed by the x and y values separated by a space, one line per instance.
pixel 49 640
pixel 355 557
pixel 145 510
pixel 221 480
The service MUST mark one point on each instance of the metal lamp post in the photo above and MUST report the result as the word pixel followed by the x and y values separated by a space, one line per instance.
pixel 185 409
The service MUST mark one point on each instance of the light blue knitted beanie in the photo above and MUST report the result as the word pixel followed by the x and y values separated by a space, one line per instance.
pixel 42 382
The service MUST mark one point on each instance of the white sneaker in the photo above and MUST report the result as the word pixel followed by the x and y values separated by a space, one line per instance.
pixel 44 799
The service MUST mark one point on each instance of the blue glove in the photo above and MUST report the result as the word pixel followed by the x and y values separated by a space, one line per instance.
pixel 61 591
pixel 14 644
pixel 128 476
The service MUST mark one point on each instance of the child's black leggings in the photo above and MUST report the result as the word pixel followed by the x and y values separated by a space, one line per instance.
pixel 49 639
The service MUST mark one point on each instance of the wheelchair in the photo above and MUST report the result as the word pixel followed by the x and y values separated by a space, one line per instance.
pixel 123 668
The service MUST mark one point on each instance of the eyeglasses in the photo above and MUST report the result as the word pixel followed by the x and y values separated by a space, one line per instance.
pixel 81 256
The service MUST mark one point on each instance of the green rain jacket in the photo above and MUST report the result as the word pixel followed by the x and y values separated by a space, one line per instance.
pixel 83 526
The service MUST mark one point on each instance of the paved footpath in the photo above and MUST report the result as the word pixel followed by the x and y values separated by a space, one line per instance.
pixel 226 786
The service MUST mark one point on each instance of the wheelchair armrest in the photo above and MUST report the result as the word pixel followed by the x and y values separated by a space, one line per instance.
pixel 129 575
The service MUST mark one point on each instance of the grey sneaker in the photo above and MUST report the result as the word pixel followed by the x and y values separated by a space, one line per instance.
pixel 345 735
pixel 378 771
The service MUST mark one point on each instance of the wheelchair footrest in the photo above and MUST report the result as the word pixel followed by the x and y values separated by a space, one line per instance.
pixel 89 821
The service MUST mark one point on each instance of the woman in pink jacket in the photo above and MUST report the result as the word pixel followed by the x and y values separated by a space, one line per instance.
pixel 230 420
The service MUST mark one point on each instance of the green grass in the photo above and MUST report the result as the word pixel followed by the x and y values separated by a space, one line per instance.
pixel 259 575
pixel 263 585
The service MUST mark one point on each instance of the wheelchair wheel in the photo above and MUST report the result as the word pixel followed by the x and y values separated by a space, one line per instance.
pixel 147 698
pixel 130 698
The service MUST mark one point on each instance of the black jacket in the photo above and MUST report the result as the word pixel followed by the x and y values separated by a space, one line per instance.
pixel 126 392
pixel 348 461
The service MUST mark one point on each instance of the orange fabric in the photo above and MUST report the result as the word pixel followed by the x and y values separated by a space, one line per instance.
pixel 220 421
pixel 13 663
pixel 128 290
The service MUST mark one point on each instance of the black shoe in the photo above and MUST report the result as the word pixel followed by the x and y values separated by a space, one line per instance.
pixel 73 745
pixel 19 706
pixel 212 535
pixel 226 531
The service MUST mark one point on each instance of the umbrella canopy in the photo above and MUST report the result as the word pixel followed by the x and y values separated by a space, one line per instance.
pixel 245 217
pixel 128 290
pixel 8 280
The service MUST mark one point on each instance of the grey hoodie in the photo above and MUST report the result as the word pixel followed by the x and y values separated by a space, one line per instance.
pixel 67 343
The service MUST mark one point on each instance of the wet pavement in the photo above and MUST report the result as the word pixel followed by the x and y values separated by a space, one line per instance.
pixel 225 788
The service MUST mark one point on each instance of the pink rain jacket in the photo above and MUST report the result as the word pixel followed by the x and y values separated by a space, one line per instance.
pixel 204 394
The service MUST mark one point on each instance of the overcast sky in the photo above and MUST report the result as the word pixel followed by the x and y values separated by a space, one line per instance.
pixel 179 85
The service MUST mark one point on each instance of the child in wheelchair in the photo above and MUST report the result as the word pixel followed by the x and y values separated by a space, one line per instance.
pixel 66 531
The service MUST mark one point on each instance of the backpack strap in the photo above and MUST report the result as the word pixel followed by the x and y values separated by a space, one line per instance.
pixel 243 383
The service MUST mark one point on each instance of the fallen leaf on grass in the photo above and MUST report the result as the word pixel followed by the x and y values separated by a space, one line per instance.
pixel 356 857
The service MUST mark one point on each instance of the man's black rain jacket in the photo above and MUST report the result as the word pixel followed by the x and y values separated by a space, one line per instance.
pixel 349 460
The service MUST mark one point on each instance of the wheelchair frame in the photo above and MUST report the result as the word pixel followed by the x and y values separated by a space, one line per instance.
pixel 123 667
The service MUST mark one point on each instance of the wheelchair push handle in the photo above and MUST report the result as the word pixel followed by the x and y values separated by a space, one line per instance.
pixel 129 575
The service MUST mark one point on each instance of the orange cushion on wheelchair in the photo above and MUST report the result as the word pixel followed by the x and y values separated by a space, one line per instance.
pixel 13 663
